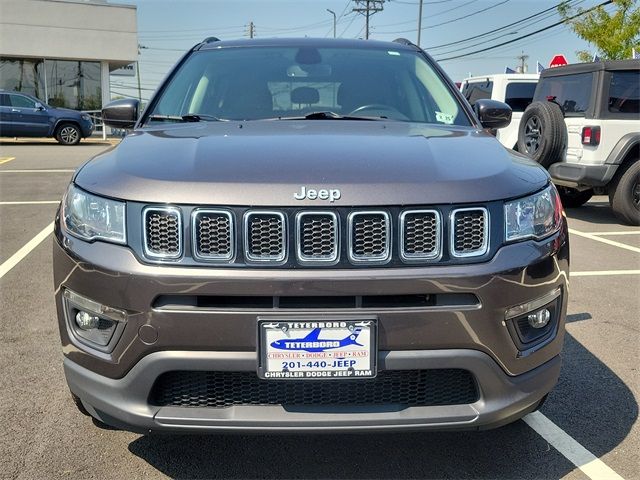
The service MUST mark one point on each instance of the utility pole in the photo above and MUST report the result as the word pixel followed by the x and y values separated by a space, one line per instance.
pixel 419 22
pixel 368 8
pixel 252 29
pixel 523 66
pixel 140 47
pixel 334 21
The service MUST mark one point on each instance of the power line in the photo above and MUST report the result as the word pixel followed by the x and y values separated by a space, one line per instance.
pixel 495 30
pixel 437 14
pixel 455 19
pixel 493 39
pixel 607 2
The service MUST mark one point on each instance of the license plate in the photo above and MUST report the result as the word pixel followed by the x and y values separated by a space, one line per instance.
pixel 328 349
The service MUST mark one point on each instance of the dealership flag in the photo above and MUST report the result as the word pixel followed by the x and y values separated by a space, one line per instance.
pixel 509 70
pixel 539 68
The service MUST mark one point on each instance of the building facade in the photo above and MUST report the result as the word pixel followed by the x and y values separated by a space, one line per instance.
pixel 62 51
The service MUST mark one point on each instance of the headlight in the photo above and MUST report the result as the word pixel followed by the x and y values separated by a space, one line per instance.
pixel 93 218
pixel 85 117
pixel 536 216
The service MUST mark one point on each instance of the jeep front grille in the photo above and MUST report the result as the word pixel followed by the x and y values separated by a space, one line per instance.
pixel 265 235
pixel 213 235
pixel 162 232
pixel 317 237
pixel 291 237
pixel 421 233
pixel 369 237
pixel 469 232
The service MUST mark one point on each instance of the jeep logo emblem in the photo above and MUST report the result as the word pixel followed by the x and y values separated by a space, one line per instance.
pixel 323 194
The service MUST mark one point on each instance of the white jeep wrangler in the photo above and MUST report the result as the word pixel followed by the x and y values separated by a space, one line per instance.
pixel 584 126
pixel 514 89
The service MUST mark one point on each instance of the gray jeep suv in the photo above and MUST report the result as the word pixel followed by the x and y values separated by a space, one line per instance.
pixel 310 235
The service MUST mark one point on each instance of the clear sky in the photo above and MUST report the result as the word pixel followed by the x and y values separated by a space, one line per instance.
pixel 167 28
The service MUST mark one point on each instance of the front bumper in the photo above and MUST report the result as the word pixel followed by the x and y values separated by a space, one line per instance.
pixel 123 402
pixel 115 386
pixel 87 128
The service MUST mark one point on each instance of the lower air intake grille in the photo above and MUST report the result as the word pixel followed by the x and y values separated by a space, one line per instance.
pixel 390 387
pixel 265 235
pixel 162 232
pixel 470 232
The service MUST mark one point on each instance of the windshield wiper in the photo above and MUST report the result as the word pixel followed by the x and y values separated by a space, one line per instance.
pixel 329 115
pixel 190 117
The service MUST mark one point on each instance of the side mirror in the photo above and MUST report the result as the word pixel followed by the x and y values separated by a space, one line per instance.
pixel 492 114
pixel 121 113
pixel 39 106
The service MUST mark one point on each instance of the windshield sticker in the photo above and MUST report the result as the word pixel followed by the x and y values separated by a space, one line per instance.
pixel 391 52
pixel 446 118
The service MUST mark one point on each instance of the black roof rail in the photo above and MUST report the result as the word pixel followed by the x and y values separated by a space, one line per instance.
pixel 211 40
pixel 404 41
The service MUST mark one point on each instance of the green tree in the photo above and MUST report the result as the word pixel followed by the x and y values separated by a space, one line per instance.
pixel 612 34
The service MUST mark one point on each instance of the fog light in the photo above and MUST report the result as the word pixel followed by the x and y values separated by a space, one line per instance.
pixel 86 321
pixel 93 323
pixel 540 318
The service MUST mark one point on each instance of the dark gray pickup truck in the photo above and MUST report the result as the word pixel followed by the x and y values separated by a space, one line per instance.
pixel 310 235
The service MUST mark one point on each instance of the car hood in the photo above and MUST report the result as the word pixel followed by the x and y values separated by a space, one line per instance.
pixel 67 112
pixel 263 163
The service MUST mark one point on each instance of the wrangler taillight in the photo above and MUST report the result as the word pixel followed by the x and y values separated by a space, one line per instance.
pixel 591 136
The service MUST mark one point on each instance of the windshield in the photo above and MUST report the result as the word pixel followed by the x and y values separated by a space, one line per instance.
pixel 254 83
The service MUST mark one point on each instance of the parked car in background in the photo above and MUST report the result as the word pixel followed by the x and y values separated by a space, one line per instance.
pixel 584 127
pixel 22 115
pixel 514 89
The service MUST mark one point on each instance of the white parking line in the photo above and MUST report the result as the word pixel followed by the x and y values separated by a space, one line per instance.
pixel 582 458
pixel 24 251
pixel 597 273
pixel 34 202
pixel 626 232
pixel 35 170
pixel 604 240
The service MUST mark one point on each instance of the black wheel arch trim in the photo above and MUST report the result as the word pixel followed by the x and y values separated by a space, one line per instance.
pixel 622 148
pixel 67 120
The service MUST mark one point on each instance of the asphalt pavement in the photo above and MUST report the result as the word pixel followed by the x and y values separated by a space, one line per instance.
pixel 588 427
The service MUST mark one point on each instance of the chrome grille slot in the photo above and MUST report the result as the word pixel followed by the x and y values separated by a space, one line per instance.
pixel 317 237
pixel 420 235
pixel 369 237
pixel 162 232
pixel 469 232
pixel 265 237
pixel 213 235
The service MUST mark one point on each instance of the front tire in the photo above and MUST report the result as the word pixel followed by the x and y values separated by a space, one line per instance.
pixel 572 198
pixel 68 134
pixel 624 194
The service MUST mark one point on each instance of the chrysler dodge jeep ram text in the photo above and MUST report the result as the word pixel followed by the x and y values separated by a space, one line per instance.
pixel 310 235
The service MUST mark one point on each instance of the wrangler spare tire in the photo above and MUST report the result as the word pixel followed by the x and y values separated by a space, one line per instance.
pixel 542 134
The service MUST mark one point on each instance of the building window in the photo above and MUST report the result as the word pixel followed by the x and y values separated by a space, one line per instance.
pixel 73 84
pixel 22 75
pixel 59 83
